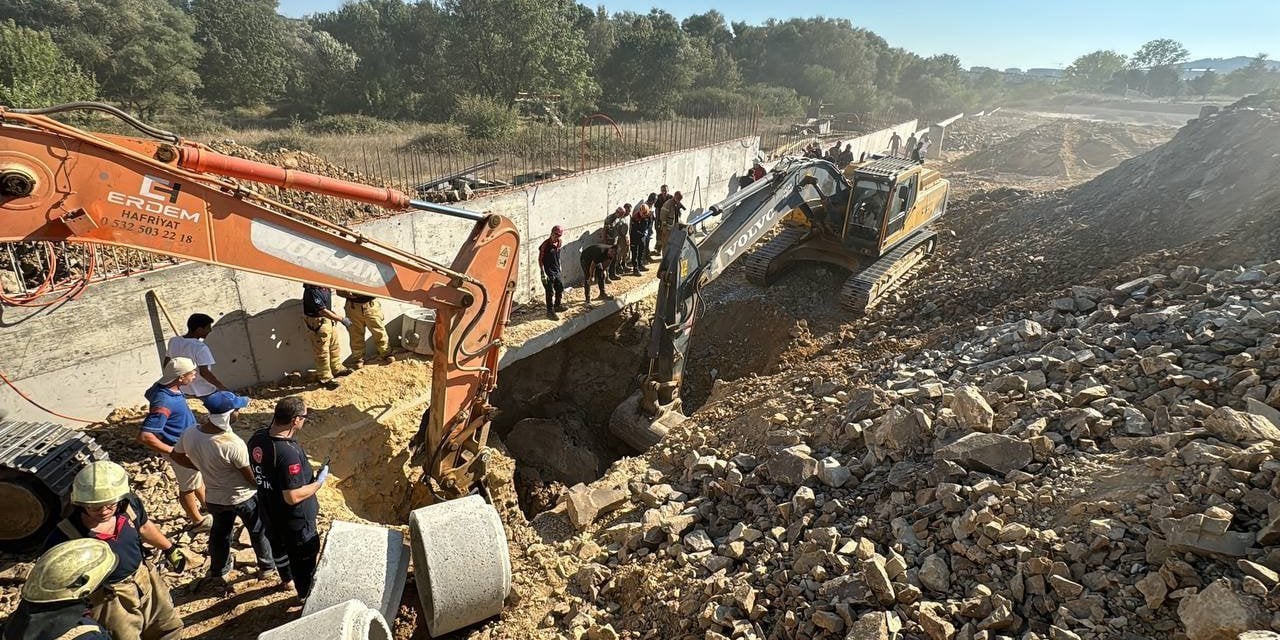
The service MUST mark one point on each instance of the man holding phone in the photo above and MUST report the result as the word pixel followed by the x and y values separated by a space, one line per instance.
pixel 287 488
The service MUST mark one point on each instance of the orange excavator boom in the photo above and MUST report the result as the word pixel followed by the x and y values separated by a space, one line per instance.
pixel 175 197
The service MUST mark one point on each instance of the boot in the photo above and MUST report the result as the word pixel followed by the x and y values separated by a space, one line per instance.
pixel 552 314
pixel 635 271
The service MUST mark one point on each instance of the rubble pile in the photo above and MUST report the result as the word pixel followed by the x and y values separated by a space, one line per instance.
pixel 1103 468
pixel 1065 148
pixel 1207 197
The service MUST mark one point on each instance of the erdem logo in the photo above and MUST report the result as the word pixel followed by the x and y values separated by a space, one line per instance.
pixel 157 196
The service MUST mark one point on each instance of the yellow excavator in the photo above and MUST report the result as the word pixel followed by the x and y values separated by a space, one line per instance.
pixel 873 219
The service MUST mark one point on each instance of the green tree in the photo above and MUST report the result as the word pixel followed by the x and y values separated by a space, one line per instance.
pixel 1163 52
pixel 244 60
pixel 35 73
pixel 1093 71
pixel 652 65
pixel 1204 84
pixel 1256 76
pixel 322 71
pixel 498 48
pixel 399 47
pixel 141 52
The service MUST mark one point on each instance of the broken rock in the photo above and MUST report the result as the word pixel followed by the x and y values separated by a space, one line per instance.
pixel 1241 427
pixel 991 452
pixel 1218 612
pixel 791 466
pixel 972 409
pixel 586 503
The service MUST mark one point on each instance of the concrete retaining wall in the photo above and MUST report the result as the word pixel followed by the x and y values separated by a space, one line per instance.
pixel 101 351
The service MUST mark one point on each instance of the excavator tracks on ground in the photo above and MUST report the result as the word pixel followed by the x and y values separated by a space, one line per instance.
pixel 38 461
pixel 864 289
pixel 757 263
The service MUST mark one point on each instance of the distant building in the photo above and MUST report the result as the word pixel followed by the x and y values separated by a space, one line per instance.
pixel 1047 74
pixel 1013 71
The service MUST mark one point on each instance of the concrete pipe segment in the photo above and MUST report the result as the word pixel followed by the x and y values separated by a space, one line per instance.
pixel 461 563
pixel 351 620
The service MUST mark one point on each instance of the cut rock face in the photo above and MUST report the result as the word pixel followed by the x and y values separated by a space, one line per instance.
pixel 989 452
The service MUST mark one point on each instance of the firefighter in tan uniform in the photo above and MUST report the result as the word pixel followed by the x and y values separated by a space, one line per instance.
pixel 59 592
pixel 137 605
pixel 322 322
pixel 364 312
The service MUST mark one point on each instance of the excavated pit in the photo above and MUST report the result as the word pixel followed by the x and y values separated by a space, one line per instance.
pixel 554 407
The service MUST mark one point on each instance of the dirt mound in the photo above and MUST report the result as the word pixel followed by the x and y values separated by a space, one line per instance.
pixel 1065 148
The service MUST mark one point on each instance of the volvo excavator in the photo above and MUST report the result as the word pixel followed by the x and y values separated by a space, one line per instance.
pixel 873 220
pixel 171 196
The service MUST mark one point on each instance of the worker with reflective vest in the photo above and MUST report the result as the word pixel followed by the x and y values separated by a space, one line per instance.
pixel 59 592
pixel 137 605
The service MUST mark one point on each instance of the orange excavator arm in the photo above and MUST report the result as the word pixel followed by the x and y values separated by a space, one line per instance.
pixel 174 197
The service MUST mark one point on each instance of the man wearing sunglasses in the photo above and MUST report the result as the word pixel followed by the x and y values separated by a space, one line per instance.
pixel 287 490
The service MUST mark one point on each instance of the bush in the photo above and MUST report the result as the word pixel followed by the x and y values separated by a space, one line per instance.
pixel 711 101
pixel 350 124
pixel 439 140
pixel 196 122
pixel 774 101
pixel 289 139
pixel 486 118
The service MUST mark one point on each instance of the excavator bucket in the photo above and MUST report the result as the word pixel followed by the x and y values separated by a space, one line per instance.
pixel 630 424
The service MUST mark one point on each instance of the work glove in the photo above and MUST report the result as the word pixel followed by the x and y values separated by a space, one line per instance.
pixel 346 322
pixel 175 558
pixel 323 475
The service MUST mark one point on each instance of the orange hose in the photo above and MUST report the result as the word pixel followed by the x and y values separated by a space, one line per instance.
pixel 41 407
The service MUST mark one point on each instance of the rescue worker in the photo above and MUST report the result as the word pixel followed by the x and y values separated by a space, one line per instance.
pixel 167 418
pixel 322 322
pixel 660 201
pixel 223 461
pixel 846 156
pixel 911 146
pixel 287 489
pixel 549 267
pixel 652 201
pixel 595 259
pixel 621 243
pixel 59 592
pixel 641 224
pixel 365 313
pixel 138 605
pixel 757 171
pixel 668 218
pixel 895 144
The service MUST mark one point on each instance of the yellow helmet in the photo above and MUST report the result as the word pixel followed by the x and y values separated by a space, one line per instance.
pixel 69 571
pixel 102 482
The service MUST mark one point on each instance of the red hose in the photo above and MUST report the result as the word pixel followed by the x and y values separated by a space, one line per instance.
pixel 41 407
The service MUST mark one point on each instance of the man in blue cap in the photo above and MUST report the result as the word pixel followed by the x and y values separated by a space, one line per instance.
pixel 223 459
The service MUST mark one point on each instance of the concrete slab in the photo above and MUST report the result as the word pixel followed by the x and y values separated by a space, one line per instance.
pixel 361 562
pixel 350 620
pixel 461 563
pixel 572 326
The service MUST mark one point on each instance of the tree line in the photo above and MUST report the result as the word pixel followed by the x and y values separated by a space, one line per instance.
pixel 394 59
pixel 1155 69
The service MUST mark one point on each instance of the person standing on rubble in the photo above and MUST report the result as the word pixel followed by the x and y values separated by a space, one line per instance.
pixel 610 237
pixel 365 313
pixel 168 416
pixel 595 260
pixel 138 604
pixel 287 488
pixel 223 461
pixel 58 593
pixel 322 322
pixel 911 146
pixel 549 266
pixel 192 345
pixel 659 202
pixel 652 201
pixel 895 144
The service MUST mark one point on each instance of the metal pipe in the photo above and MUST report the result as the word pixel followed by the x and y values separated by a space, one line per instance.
pixel 733 200
pixel 423 205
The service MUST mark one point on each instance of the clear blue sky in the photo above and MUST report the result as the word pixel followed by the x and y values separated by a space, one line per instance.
pixel 1003 33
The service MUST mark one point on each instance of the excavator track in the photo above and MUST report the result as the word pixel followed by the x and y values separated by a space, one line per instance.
pixel 38 461
pixel 758 262
pixel 864 289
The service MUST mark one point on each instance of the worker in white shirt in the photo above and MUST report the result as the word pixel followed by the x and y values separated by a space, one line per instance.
pixel 192 345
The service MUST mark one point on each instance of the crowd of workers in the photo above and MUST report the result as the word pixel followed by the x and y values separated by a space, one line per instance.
pixel 97 581
pixel 624 246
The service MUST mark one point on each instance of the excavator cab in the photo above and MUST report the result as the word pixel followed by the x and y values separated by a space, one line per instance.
pixel 866 216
